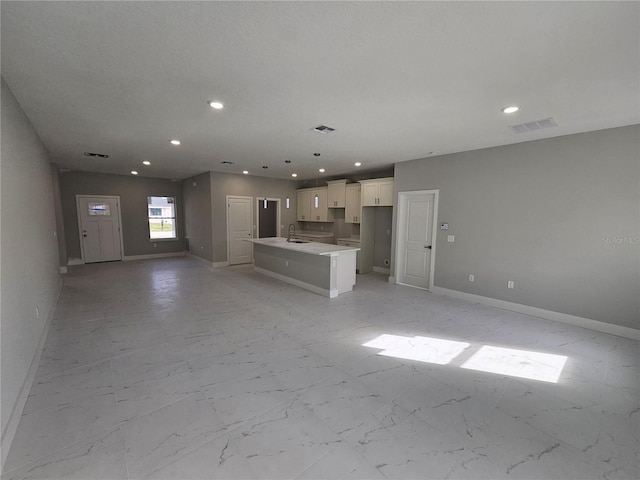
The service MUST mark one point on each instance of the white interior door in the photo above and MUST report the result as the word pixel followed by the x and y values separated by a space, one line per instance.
pixel 239 228
pixel 99 223
pixel 415 238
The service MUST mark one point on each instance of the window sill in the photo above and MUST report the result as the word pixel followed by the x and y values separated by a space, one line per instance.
pixel 157 240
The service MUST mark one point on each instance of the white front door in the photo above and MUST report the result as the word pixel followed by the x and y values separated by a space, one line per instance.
pixel 239 228
pixel 99 223
pixel 415 238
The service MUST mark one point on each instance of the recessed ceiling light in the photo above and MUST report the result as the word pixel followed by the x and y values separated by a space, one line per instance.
pixel 294 175
pixel 357 164
pixel 146 162
pixel 510 109
pixel 175 142
pixel 215 104
pixel 246 172
pixel 133 172
pixel 321 170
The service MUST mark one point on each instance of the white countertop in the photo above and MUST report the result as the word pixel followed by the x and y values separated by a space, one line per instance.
pixel 312 248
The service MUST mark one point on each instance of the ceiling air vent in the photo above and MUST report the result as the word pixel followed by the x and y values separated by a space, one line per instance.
pixel 92 154
pixel 323 129
pixel 535 125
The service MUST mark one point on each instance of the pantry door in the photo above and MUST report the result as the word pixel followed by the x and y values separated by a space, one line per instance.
pixel 416 240
pixel 239 228
pixel 99 224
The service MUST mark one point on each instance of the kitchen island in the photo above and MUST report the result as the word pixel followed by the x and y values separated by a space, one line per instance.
pixel 322 268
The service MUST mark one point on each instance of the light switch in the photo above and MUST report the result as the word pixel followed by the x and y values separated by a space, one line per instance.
pixel 444 226
pixel 451 238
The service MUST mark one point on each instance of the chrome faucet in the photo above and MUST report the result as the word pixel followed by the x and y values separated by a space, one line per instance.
pixel 291 225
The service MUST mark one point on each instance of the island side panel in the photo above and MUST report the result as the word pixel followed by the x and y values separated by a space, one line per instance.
pixel 345 272
pixel 314 270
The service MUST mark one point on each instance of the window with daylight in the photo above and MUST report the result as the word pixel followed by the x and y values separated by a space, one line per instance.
pixel 162 218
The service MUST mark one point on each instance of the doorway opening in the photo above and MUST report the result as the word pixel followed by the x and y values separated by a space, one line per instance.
pixel 268 217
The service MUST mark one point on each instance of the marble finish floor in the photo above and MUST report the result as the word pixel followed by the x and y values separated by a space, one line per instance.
pixel 166 369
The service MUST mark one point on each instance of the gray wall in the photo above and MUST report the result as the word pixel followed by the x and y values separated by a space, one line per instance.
pixel 57 205
pixel 560 217
pixel 133 193
pixel 382 236
pixel 197 215
pixel 30 272
pixel 223 184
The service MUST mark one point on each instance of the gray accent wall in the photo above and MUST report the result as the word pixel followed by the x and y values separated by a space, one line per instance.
pixel 560 217
pixel 382 236
pixel 133 193
pixel 223 184
pixel 30 272
pixel 196 194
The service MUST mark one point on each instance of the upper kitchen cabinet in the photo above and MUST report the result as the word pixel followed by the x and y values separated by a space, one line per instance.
pixel 377 192
pixel 336 192
pixel 312 205
pixel 352 211
pixel 303 205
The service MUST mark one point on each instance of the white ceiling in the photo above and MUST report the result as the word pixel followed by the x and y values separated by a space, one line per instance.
pixel 397 80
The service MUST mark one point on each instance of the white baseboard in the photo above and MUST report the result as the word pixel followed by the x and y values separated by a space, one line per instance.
pixel 75 261
pixel 392 279
pixel 150 256
pixel 18 407
pixel 596 325
pixel 220 264
pixel 199 260
pixel 382 270
pixel 307 286
pixel 63 270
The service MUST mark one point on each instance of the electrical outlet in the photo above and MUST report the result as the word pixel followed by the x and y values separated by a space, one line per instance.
pixel 37 312
pixel 451 238
pixel 472 278
pixel 510 284
pixel 286 263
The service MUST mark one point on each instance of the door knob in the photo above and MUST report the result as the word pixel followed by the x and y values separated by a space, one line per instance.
pixel 428 246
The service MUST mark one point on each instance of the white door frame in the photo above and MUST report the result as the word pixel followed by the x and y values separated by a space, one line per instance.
pixel 111 197
pixel 402 217
pixel 227 198
pixel 259 201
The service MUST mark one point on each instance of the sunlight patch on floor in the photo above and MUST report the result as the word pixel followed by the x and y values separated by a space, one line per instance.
pixel 545 367
pixel 421 349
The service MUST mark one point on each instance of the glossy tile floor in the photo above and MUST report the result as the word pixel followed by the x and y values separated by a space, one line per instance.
pixel 166 369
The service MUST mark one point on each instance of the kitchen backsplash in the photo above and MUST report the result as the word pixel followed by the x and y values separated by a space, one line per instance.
pixel 338 227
